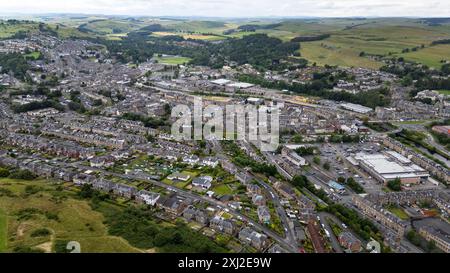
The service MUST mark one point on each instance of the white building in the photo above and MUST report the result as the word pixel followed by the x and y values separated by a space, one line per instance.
pixel 203 182
pixel 356 108
pixel 389 166
pixel 147 197
pixel 295 159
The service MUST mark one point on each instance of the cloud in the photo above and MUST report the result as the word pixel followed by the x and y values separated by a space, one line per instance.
pixel 234 8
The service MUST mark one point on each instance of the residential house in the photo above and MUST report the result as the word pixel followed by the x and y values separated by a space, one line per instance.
pixel 147 197
pixel 192 213
pixel 263 214
pixel 349 241
pixel 124 190
pixel 285 190
pixel 222 225
pixel 253 189
pixel 103 185
pixel 243 177
pixel 172 204
pixel 203 182
pixel 179 176
pixel 253 238
pixel 229 167
pixel 258 200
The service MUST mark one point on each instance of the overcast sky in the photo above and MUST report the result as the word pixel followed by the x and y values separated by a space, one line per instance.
pixel 234 8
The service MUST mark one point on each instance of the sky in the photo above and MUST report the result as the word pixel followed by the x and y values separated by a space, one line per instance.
pixel 234 8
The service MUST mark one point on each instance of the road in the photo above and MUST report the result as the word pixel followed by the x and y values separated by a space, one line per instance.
pixel 312 178
pixel 334 241
pixel 289 229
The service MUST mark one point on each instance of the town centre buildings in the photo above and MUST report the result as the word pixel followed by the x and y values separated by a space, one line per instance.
pixel 389 166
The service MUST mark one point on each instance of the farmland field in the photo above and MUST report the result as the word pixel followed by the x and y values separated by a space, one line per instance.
pixel 349 38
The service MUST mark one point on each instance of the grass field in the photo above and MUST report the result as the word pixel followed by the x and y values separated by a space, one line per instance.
pixel 8 30
pixel 116 26
pixel 194 36
pixel 60 212
pixel 335 55
pixel 399 212
pixel 349 37
pixel 172 60
pixel 387 37
pixel 222 189
pixel 35 55
pixel 445 92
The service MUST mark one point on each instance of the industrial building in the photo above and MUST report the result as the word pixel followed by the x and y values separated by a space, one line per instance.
pixel 356 108
pixel 389 166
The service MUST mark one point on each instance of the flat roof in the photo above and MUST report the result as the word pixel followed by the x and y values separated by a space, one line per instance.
pixel 399 157
pixel 221 81
pixel 387 167
pixel 254 99
pixel 336 185
pixel 296 156
pixel 356 107
pixel 294 146
pixel 241 85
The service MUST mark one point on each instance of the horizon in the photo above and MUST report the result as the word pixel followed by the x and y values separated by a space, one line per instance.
pixel 232 8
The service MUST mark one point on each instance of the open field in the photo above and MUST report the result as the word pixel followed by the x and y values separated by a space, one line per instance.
pixel 385 37
pixel 8 30
pixel 349 37
pixel 33 205
pixel 172 60
pixel 194 36
pixel 332 55
pixel 106 26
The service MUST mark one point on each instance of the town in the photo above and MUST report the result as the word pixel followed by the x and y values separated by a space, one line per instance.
pixel 363 153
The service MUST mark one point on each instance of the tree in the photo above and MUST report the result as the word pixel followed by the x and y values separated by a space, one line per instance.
pixel 22 174
pixel 395 185
pixel 326 166
pixel 4 172
pixel 446 69
pixel 86 191
pixel 299 181
pixel 316 160
pixel 297 139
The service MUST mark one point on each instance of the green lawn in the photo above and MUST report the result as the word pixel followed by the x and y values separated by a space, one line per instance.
pixel 35 55
pixel 399 212
pixel 173 60
pixel 445 92
pixel 222 189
